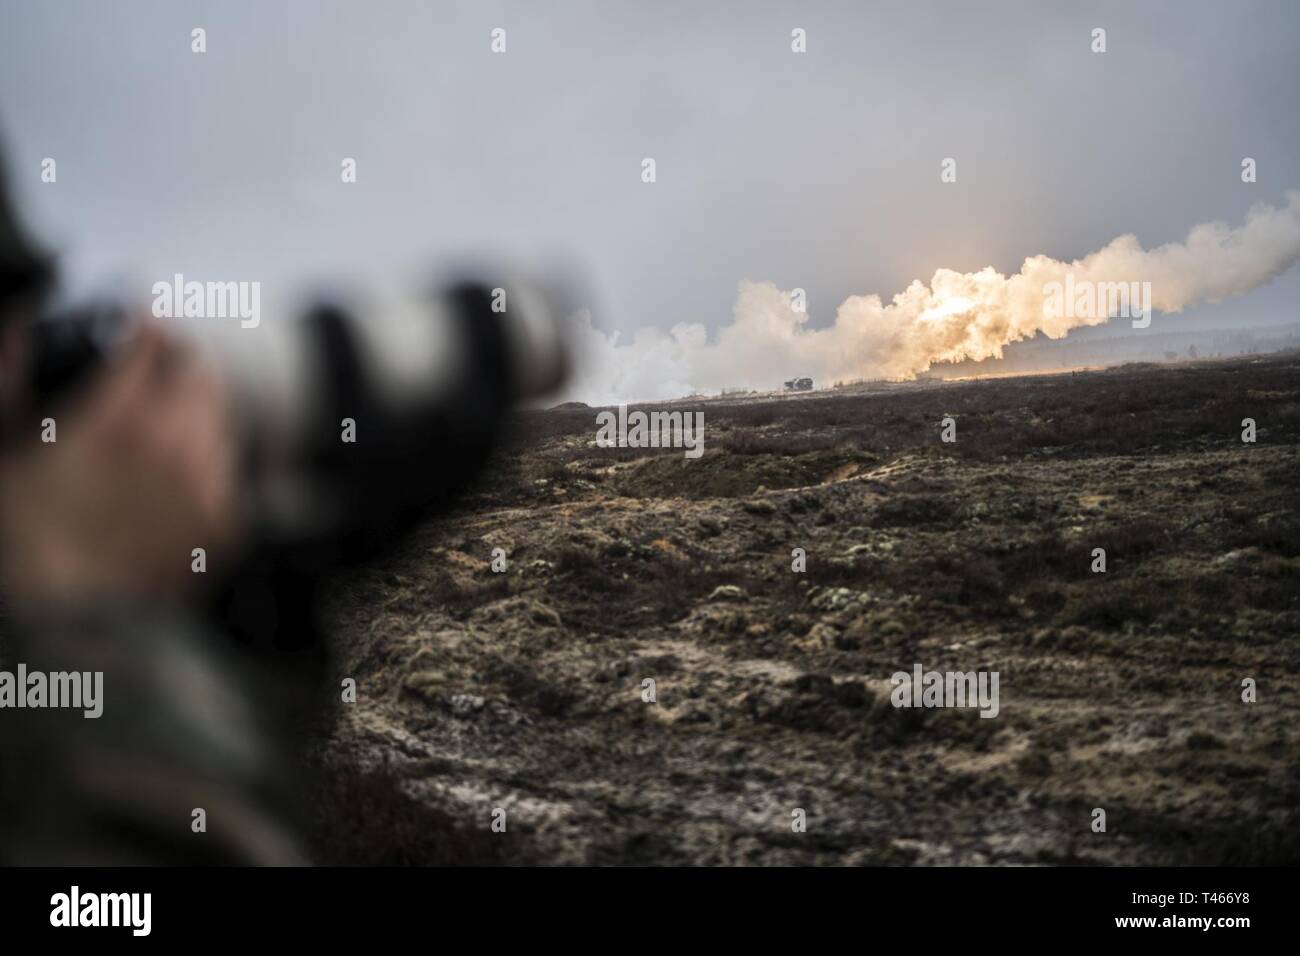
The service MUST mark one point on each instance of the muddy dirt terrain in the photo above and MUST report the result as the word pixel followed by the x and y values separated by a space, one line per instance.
pixel 1119 690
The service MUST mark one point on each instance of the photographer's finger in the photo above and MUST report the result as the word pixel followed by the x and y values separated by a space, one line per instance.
pixel 125 385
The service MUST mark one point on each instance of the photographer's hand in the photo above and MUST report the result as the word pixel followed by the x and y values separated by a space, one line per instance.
pixel 143 471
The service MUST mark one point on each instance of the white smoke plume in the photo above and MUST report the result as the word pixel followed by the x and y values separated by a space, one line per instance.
pixel 956 316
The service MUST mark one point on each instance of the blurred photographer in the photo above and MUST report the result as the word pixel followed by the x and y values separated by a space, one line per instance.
pixel 96 531
pixel 123 452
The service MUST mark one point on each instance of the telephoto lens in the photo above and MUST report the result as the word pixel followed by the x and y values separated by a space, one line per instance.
pixel 354 418
pixel 362 412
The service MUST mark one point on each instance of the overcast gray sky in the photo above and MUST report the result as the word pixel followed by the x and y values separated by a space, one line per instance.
pixel 817 170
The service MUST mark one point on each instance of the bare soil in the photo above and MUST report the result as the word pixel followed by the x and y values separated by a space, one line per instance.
pixel 1119 690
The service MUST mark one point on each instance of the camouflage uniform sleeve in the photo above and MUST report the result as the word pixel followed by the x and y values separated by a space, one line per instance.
pixel 184 725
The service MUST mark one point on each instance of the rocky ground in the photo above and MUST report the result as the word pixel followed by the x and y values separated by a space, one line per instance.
pixel 1119 690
